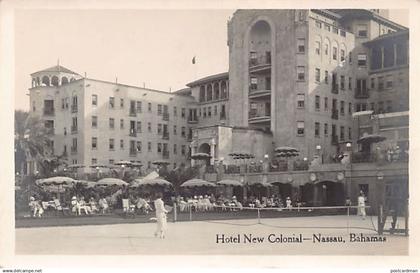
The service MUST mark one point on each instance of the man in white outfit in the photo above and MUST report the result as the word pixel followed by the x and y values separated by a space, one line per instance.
pixel 361 201
pixel 160 216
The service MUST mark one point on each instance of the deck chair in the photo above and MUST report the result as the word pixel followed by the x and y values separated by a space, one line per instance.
pixel 128 209
pixel 61 209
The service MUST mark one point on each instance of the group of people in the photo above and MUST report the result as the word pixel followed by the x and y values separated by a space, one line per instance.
pixel 79 205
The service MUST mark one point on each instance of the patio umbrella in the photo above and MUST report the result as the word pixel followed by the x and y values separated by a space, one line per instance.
pixel 369 139
pixel 152 182
pixel 123 162
pixel 75 166
pixel 230 182
pixel 111 182
pixel 94 166
pixel 200 156
pixel 160 162
pixel 56 180
pixel 88 184
pixel 260 183
pixel 197 183
pixel 136 164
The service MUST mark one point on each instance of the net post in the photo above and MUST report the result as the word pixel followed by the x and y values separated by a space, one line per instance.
pixel 175 213
pixel 380 218
pixel 348 218
pixel 259 216
pixel 190 209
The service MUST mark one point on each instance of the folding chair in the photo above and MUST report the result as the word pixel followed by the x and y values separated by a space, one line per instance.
pixel 128 209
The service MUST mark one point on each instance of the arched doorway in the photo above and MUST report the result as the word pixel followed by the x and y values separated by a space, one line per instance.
pixel 205 148
pixel 329 193
pixel 54 81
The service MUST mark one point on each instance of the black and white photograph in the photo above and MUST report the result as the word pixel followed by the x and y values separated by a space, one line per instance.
pixel 224 131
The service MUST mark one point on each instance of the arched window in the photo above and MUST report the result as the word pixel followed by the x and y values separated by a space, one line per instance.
pixel 202 96
pixel 64 81
pixel 343 52
pixel 260 44
pixel 38 83
pixel 46 80
pixel 209 92
pixel 223 90
pixel 54 81
pixel 33 82
pixel 326 49
pixel 216 91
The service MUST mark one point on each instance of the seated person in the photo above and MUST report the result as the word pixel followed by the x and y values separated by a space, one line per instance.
pixel 83 206
pixel 75 208
pixel 207 204
pixel 93 206
pixel 236 203
pixel 103 205
pixel 201 206
pixel 258 203
pixel 288 203
pixel 35 207
pixel 182 204
pixel 143 206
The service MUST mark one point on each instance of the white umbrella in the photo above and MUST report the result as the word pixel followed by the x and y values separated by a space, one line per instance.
pixel 230 182
pixel 111 182
pixel 152 182
pixel 197 183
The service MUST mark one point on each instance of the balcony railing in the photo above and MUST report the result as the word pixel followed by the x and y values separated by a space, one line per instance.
pixel 361 95
pixel 279 167
pixel 133 152
pixel 334 114
pixel 74 108
pixel 165 116
pixel 132 112
pixel 165 135
pixel 334 88
pixel 192 120
pixel 165 154
pixel 133 133
pixel 49 111
pixel 73 129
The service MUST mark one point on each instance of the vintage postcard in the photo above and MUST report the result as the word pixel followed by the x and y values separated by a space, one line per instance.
pixel 232 130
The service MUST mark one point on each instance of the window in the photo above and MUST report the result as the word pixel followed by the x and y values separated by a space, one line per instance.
pixel 361 31
pixel 372 106
pixel 138 106
pixel 159 109
pixel 326 50
pixel 317 47
pixel 350 83
pixel 326 129
pixel 317 74
pixel 361 59
pixel 159 147
pixel 175 130
pixel 342 107
pixel 149 107
pixel 149 127
pixel 350 135
pixel 215 110
pixel 301 16
pixel 300 100
pixel 335 53
pixel 301 45
pixel 317 129
pixel 341 133
pixel 350 58
pixel 342 55
pixel 121 124
pixel 138 129
pixel 94 143
pixel 175 149
pixel 111 144
pixel 326 103
pixel 388 106
pixel 94 122
pixel 175 111
pixel 350 108
pixel 74 145
pixel 401 53
pixel 183 134
pixel 183 149
pixel 372 83
pixel 94 100
pixel 317 103
pixel 204 112
pixel 254 83
pixel 121 103
pixel 342 33
pixel 159 129
pixel 335 30
pixel 122 144
pixel 326 76
pixel 318 24
pixel 111 123
pixel 209 111
pixel 388 82
pixel 183 112
pixel 94 161
pixel 301 73
pixel 111 102
pixel 300 128
pixel 138 146
pixel 149 146
pixel 342 82
pixel 380 83
pixel 327 27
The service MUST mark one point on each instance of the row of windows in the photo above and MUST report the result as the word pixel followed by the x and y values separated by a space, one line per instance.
pixel 380 107
pixel 330 28
pixel 215 91
pixel 300 125
pixel 206 112
pixel 334 79
pixel 385 82
pixel 334 104
pixel 112 161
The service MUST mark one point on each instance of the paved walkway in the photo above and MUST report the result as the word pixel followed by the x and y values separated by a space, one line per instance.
pixel 199 237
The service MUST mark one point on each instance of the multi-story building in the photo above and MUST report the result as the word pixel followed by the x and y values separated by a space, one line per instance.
pixel 98 122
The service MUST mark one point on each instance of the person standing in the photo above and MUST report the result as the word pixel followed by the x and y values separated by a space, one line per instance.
pixel 361 201
pixel 160 216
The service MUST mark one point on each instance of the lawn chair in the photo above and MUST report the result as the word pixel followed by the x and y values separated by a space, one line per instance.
pixel 128 210
pixel 59 208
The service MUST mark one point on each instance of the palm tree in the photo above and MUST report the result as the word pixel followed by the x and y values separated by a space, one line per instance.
pixel 32 141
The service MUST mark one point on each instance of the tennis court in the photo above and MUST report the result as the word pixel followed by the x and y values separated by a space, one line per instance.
pixel 199 237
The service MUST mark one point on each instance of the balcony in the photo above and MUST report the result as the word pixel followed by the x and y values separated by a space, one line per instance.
pixel 49 111
pixel 165 154
pixel 256 117
pixel 192 120
pixel 165 135
pixel 133 152
pixel 260 65
pixel 334 88
pixel 165 116
pixel 361 95
pixel 255 93
pixel 74 129
pixel 74 108
pixel 132 112
pixel 334 113
pixel 133 132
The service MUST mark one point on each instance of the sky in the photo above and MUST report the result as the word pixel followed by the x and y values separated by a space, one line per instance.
pixel 151 47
